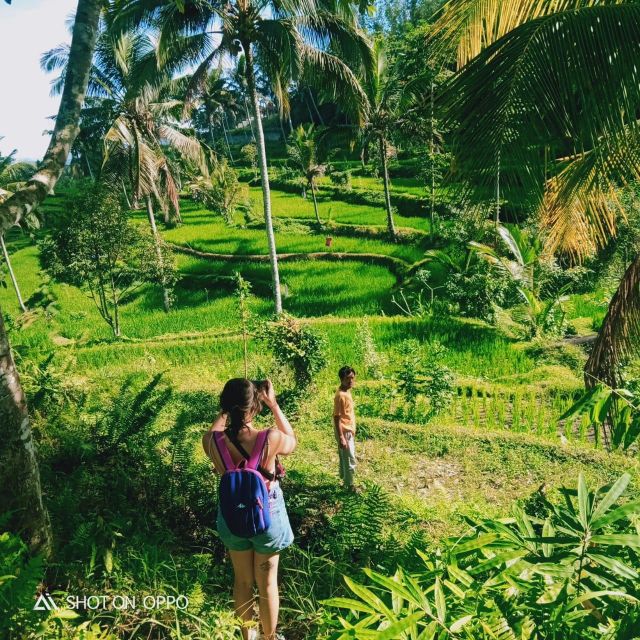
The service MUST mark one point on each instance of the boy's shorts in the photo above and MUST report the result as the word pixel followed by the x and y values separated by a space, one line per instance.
pixel 276 538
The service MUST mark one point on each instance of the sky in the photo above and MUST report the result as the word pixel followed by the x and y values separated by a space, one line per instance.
pixel 27 29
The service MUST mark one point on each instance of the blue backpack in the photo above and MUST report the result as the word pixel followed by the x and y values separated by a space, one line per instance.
pixel 244 497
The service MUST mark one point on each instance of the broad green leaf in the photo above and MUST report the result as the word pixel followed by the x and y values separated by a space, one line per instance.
pixel 460 575
pixel 616 566
pixel 617 514
pixel 590 595
pixel 583 501
pixel 441 603
pixel 618 539
pixel 459 623
pixel 618 488
pixel 391 584
pixel 481 541
pixel 368 597
pixel 585 403
pixel 454 588
pixel 393 631
pixel 348 603
pixel 65 614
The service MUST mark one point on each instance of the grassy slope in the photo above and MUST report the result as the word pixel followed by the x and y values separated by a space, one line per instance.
pixel 470 462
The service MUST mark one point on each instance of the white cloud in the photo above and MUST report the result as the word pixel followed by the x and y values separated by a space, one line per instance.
pixel 27 29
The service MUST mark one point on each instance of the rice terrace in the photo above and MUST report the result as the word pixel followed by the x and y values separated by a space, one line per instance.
pixel 319 320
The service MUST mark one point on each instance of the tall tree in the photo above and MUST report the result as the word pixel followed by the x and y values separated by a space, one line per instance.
pixel 384 114
pixel 310 40
pixel 306 148
pixel 19 473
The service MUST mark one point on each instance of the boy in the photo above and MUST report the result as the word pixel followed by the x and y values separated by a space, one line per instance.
pixel 344 422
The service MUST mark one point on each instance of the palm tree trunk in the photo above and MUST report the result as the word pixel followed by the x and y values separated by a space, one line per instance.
pixel 619 332
pixel 497 220
pixel 5 253
pixel 166 299
pixel 433 161
pixel 315 203
pixel 266 192
pixel 315 107
pixel 126 196
pixel 391 225
pixel 226 137
pixel 19 474
pixel 21 492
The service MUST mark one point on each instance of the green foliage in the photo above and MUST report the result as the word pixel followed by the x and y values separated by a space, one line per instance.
pixel 249 154
pixel 297 348
pixel 95 247
pixel 420 373
pixel 366 352
pixel 341 179
pixel 573 575
pixel 613 414
pixel 359 529
pixel 220 191
pixel 20 576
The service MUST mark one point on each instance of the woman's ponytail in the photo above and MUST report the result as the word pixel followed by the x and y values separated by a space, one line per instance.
pixel 240 401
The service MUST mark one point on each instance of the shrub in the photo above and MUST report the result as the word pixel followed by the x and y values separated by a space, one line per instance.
pixel 20 577
pixel 366 352
pixel 296 348
pixel 341 179
pixel 477 291
pixel 421 374
pixel 94 246
pixel 220 192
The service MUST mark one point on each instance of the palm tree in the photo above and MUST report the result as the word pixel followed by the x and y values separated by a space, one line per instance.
pixel 307 40
pixel 305 149
pixel 385 99
pixel 215 101
pixel 19 473
pixel 143 120
pixel 551 90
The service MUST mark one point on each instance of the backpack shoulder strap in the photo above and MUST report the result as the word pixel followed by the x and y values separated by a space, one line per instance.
pixel 258 447
pixel 223 451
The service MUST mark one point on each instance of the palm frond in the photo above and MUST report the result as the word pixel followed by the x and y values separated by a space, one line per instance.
pixel 566 83
pixel 188 146
pixel 466 27
pixel 620 333
pixel 329 75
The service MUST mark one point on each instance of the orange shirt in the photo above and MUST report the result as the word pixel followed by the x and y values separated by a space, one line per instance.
pixel 343 408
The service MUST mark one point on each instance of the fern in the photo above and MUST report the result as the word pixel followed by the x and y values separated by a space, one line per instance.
pixel 20 576
pixel 360 526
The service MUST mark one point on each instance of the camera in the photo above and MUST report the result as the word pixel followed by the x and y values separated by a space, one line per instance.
pixel 260 385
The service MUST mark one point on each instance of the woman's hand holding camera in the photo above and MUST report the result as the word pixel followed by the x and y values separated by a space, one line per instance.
pixel 267 395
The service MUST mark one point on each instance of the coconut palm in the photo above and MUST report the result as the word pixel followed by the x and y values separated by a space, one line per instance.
pixel 306 150
pixel 550 92
pixel 385 99
pixel 309 40
pixel 216 101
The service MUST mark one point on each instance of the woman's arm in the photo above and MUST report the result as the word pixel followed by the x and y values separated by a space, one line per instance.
pixel 219 423
pixel 288 440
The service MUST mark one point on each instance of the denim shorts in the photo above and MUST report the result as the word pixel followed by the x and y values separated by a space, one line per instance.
pixel 276 538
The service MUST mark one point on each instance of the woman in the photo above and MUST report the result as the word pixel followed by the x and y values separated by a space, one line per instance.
pixel 255 560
